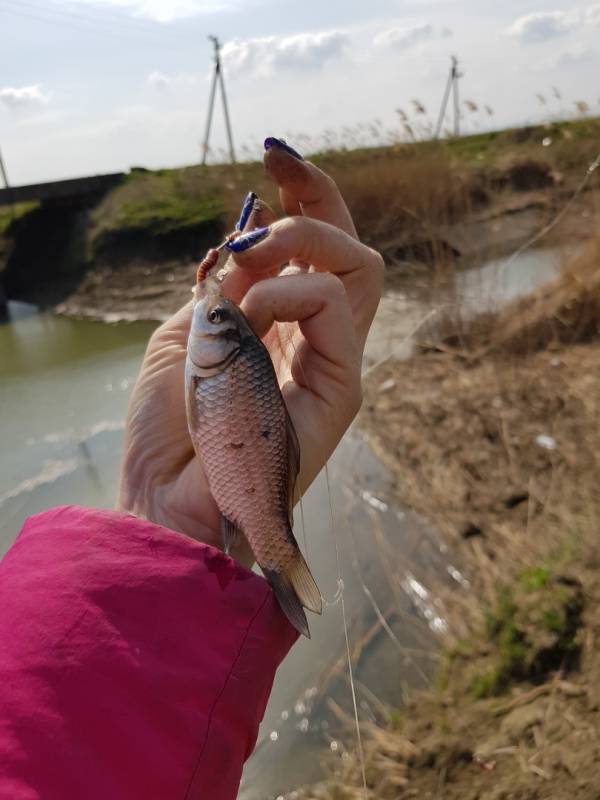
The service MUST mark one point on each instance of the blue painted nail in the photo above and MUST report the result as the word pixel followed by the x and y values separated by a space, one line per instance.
pixel 246 211
pixel 271 141
pixel 247 240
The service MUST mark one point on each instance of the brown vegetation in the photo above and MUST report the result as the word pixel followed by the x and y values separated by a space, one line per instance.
pixel 563 312
pixel 499 446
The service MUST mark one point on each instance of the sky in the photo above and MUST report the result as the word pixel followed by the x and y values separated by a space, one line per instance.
pixel 96 86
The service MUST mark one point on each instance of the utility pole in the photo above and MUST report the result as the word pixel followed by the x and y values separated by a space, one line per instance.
pixel 3 171
pixel 217 79
pixel 451 86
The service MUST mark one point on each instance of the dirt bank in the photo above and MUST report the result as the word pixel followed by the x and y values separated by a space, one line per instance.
pixel 499 448
pixel 154 289
pixel 139 290
pixel 427 206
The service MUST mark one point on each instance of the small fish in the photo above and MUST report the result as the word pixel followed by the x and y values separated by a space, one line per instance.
pixel 242 431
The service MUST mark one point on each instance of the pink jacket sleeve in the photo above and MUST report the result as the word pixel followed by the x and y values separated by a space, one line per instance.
pixel 134 661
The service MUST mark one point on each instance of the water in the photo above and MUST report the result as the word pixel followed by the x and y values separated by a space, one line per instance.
pixel 64 386
pixel 501 280
pixel 389 562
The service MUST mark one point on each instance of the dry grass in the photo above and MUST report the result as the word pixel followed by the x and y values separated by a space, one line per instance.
pixel 499 446
pixel 564 312
pixel 405 191
pixel 461 442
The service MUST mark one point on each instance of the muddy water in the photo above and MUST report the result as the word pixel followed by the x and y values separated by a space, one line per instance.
pixel 64 386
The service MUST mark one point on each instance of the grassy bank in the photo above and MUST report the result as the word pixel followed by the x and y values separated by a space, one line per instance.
pixel 404 197
pixel 405 185
pixel 498 446
pixel 435 180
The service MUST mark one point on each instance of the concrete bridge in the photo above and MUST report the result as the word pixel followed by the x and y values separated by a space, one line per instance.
pixel 74 189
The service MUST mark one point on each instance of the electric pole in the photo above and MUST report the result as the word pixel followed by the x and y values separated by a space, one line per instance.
pixel 451 86
pixel 3 171
pixel 217 79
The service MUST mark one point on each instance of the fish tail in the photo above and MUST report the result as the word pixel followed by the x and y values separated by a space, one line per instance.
pixel 304 584
pixel 288 600
pixel 295 587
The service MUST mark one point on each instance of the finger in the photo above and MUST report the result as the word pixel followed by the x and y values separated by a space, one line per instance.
pixel 315 301
pixel 305 188
pixel 261 215
pixel 327 249
pixel 255 213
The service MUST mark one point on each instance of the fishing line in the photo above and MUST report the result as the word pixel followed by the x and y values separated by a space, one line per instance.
pixel 386 627
pixel 361 755
pixel 301 504
pixel 552 224
pixel 408 336
pixel 593 166
pixel 339 596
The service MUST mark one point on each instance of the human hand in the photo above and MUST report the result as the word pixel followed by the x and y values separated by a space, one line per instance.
pixel 313 317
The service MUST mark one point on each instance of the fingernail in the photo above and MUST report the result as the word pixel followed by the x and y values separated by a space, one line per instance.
pixel 247 207
pixel 271 141
pixel 247 240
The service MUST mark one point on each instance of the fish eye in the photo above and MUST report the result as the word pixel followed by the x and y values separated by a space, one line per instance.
pixel 217 315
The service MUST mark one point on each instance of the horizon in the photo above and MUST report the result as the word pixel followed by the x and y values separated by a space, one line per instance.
pixel 100 86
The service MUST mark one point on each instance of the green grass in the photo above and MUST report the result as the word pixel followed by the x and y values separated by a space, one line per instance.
pixel 565 145
pixel 390 190
pixel 532 628
pixel 10 213
pixel 167 200
pixel 535 578
pixel 159 202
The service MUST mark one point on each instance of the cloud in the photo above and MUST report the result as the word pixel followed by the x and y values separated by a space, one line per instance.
pixel 403 38
pixel 543 25
pixel 573 57
pixel 169 10
pixel 592 16
pixel 264 56
pixel 23 97
pixel 171 84
pixel 158 81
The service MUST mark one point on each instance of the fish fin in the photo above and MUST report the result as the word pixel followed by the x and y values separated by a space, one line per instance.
pixel 288 600
pixel 230 533
pixel 300 577
pixel 293 462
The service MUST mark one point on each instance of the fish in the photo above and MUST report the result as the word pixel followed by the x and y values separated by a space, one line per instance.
pixel 241 430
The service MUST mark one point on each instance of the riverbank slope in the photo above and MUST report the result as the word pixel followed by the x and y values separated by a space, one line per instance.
pixel 496 441
pixel 424 205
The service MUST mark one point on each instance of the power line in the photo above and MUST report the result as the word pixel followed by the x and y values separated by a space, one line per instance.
pixel 94 18
pixel 91 13
pixel 67 20
pixel 217 79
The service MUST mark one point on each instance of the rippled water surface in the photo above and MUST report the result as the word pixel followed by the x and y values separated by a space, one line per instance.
pixel 64 386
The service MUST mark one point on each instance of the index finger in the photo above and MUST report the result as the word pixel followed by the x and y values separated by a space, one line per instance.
pixel 327 249
pixel 304 188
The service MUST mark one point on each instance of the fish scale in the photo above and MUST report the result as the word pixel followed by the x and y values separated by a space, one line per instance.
pixel 241 430
pixel 254 502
